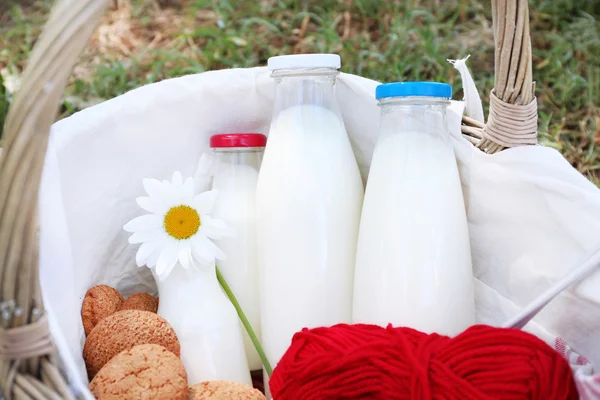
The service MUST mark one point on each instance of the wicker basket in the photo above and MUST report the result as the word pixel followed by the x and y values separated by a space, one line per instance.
pixel 29 364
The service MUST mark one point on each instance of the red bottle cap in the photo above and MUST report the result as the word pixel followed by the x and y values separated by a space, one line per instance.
pixel 238 140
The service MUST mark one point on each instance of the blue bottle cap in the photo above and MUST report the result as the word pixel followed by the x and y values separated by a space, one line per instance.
pixel 405 89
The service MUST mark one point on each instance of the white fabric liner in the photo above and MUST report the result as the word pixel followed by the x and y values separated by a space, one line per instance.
pixel 531 215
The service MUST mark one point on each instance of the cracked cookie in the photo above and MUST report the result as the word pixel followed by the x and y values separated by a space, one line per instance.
pixel 147 371
pixel 99 302
pixel 122 331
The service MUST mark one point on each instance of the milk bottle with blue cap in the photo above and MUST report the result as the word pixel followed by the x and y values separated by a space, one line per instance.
pixel 413 262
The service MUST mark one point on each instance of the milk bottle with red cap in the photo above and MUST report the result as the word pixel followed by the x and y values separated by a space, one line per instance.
pixel 238 157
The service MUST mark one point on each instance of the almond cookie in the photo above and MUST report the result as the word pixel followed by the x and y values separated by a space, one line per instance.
pixel 148 371
pixel 122 331
pixel 99 302
pixel 224 390
pixel 140 301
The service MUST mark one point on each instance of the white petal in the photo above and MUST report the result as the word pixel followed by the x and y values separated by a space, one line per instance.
pixel 153 257
pixel 204 202
pixel 146 251
pixel 154 188
pixel 152 205
pixel 166 273
pixel 200 251
pixel 143 252
pixel 161 241
pixel 185 253
pixel 188 190
pixel 167 257
pixel 177 179
pixel 215 228
pixel 171 196
pixel 145 236
pixel 214 250
pixel 165 193
pixel 177 190
pixel 144 223
pixel 215 222
pixel 204 172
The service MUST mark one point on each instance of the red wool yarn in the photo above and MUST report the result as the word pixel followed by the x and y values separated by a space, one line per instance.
pixel 372 362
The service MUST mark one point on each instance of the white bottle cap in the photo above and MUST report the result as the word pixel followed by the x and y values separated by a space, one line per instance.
pixel 305 61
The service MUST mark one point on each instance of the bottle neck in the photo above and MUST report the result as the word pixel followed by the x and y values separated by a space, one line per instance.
pixel 414 114
pixel 306 86
pixel 192 280
pixel 190 293
pixel 236 169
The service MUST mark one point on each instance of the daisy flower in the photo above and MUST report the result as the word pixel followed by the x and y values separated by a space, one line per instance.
pixel 179 228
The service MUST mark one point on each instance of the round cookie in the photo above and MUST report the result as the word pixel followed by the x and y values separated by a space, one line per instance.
pixel 122 331
pixel 224 390
pixel 99 302
pixel 147 371
pixel 140 301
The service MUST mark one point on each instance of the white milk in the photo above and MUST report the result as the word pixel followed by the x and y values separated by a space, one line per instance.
pixel 309 197
pixel 236 205
pixel 206 325
pixel 413 265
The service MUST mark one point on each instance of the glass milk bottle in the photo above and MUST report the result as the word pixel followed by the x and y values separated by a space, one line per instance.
pixel 413 262
pixel 206 325
pixel 309 197
pixel 238 158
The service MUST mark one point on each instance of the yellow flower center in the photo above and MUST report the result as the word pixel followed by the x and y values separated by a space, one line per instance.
pixel 182 222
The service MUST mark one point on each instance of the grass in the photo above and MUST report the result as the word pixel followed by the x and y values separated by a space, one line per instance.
pixel 144 41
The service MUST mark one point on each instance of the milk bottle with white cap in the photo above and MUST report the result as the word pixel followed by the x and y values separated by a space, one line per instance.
pixel 309 198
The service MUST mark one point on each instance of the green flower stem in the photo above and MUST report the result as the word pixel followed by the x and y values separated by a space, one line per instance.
pixel 245 322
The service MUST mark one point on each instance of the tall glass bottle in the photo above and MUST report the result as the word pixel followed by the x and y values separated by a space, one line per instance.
pixel 238 157
pixel 309 197
pixel 413 262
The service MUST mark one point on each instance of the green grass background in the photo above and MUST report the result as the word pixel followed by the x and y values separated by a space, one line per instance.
pixel 144 41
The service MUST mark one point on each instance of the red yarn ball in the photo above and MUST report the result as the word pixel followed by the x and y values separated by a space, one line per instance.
pixel 371 362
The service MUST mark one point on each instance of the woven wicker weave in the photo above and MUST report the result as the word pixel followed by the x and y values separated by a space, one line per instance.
pixel 29 367
pixel 513 78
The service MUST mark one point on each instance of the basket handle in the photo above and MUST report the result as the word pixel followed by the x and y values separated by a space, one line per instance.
pixel 26 133
pixel 513 109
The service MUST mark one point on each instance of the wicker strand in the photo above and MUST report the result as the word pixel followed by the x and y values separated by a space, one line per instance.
pixel 52 375
pixel 28 388
pixel 513 84
pixel 511 125
pixel 11 374
pixel 513 74
pixel 45 390
pixel 32 340
pixel 506 50
pixel 20 394
pixel 28 122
